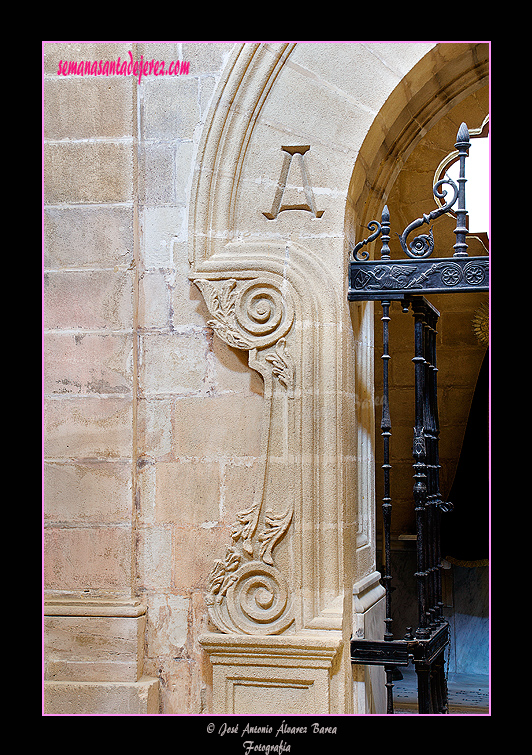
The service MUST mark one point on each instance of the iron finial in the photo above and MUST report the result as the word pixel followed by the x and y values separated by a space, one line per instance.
pixel 462 145
pixel 462 137
pixel 385 233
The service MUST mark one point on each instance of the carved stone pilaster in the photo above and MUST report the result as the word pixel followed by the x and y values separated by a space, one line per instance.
pixel 276 301
pixel 246 591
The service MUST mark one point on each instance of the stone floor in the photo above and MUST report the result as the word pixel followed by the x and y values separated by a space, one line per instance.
pixel 468 693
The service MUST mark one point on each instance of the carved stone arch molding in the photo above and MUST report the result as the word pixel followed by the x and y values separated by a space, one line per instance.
pixel 299 140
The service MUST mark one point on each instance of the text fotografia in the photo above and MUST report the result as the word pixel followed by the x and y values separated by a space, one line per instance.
pixel 123 67
pixel 280 746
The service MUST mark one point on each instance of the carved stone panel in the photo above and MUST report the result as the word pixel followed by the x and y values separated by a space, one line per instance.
pixel 274 301
pixel 246 591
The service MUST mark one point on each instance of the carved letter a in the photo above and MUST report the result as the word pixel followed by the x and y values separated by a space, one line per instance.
pixel 310 205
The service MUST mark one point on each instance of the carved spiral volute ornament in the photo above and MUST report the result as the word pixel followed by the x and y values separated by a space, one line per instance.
pixel 249 313
pixel 262 311
pixel 257 601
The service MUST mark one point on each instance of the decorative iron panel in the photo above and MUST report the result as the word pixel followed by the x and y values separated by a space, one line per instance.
pixel 377 280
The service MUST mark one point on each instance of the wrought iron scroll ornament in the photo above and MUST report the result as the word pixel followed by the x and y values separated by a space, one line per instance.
pixel 395 279
pixel 374 226
pixel 409 280
pixel 423 246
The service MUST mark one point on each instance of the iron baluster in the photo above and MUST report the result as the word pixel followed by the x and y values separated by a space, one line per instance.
pixel 386 431
pixel 386 427
pixel 385 233
pixel 420 475
pixel 438 504
pixel 431 482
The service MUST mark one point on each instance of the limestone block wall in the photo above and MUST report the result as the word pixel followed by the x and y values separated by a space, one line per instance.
pixel 135 498
pixel 89 324
pixel 191 471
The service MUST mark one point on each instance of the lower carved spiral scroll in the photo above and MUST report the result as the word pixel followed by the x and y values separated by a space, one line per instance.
pixel 256 602
pixel 249 595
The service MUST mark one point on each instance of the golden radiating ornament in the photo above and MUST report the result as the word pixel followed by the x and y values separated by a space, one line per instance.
pixel 481 324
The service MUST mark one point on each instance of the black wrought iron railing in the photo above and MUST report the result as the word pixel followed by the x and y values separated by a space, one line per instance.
pixel 410 280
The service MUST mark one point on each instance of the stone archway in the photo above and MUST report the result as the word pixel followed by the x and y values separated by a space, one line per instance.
pixel 302 142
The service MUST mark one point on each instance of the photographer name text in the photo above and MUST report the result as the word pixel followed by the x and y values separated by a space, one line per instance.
pixel 250 746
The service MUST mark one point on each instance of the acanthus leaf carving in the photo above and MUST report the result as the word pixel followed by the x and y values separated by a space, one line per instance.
pixel 245 528
pixel 276 524
pixel 282 364
pixel 222 572
pixel 221 304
